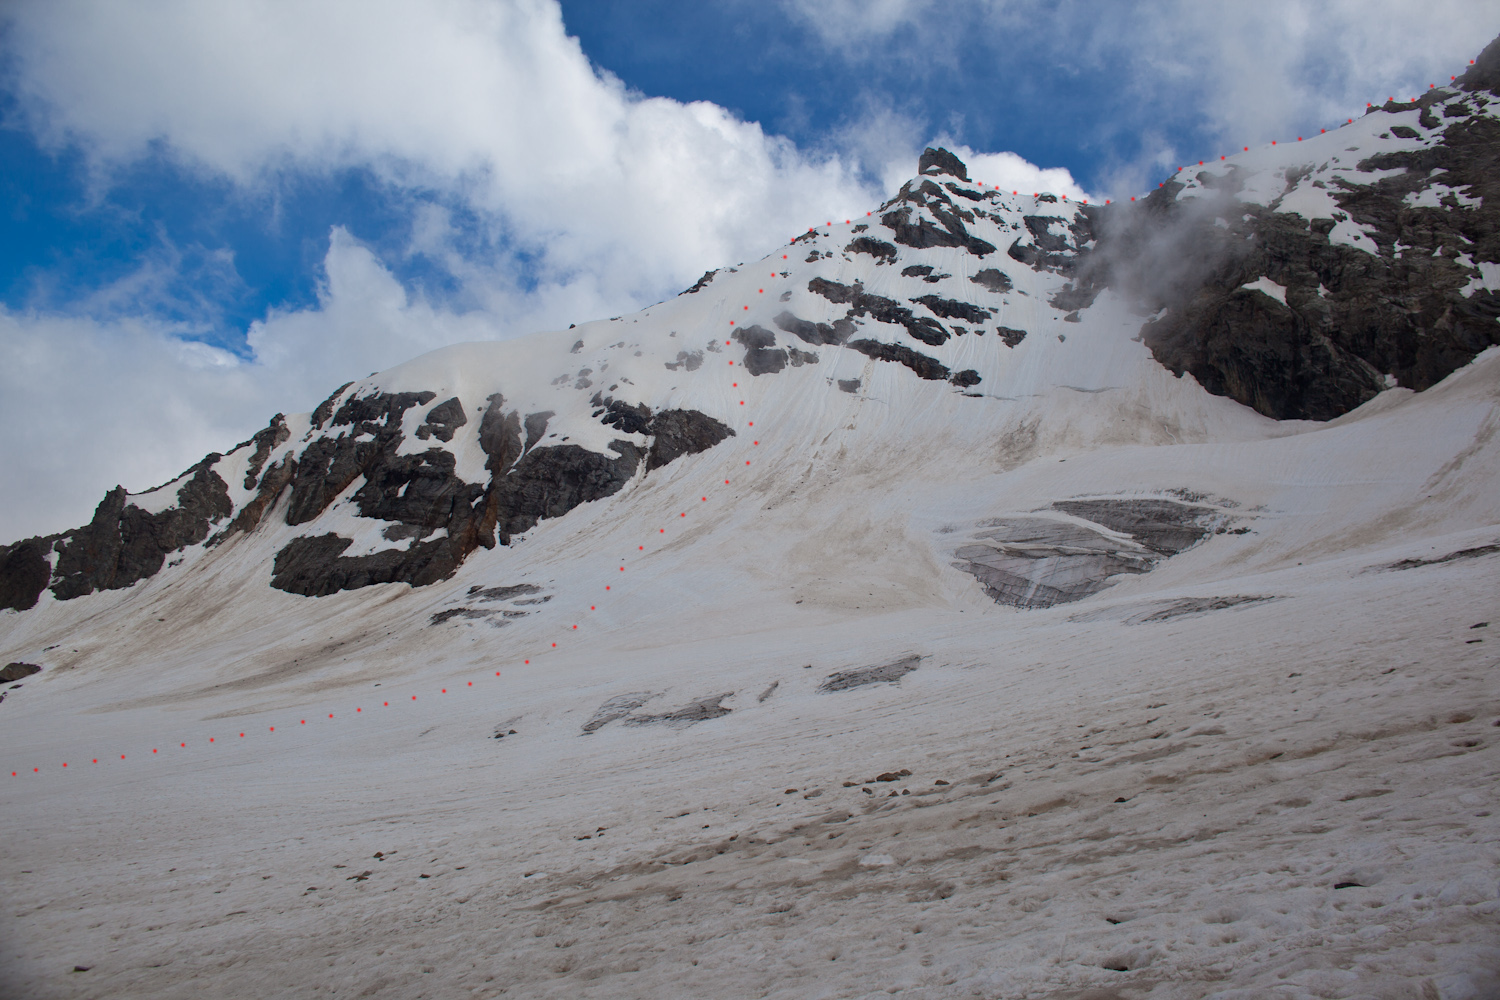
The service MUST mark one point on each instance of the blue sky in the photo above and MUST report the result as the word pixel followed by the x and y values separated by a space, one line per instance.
pixel 209 213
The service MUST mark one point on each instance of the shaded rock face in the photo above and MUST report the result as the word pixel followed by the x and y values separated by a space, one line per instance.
pixel 940 161
pixel 1037 561
pixel 432 517
pixel 25 572
pixel 683 432
pixel 443 420
pixel 265 441
pixel 1350 318
pixel 923 213
pixel 549 482
pixel 1053 243
pixel 124 544
pixel 16 671
pixel 424 497
pixel 924 328
pixel 1009 336
pixel 815 333
pixel 762 357
pixel 419 494
pixel 121 545
pixel 925 366
pixel 992 279
pixel 698 286
pixel 882 251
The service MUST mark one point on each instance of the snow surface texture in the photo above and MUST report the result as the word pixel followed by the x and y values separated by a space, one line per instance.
pixel 753 725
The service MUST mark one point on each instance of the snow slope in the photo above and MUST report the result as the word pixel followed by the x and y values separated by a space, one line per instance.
pixel 769 718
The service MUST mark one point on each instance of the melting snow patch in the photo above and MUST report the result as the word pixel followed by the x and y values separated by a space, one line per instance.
pixel 1489 279
pixel 1269 287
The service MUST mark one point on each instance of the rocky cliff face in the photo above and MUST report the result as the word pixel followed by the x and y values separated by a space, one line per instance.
pixel 1360 267
pixel 1299 280
pixel 355 454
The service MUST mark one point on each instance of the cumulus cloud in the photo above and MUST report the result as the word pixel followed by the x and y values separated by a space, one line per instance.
pixel 490 100
pixel 1015 173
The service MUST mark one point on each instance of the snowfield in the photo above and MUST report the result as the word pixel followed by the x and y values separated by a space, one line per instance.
pixel 757 724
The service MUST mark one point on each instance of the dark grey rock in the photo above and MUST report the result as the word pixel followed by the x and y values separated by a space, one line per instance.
pixel 1475 552
pixel 849 384
pixel 966 378
pixel 626 418
pixel 815 333
pixel 953 309
pixel 1322 353
pixel 1009 336
pixel 124 544
pixel 924 366
pixel 274 480
pixel 964 192
pixel 882 251
pixel 617 707
pixel 265 442
pixel 701 710
pixel 882 309
pixel 992 279
pixel 16 671
pixel 701 284
pixel 889 673
pixel 1485 73
pixel 1163 526
pixel 1034 562
pixel 923 233
pixel 443 420
pixel 940 161
pixel 549 482
pixel 683 432
pixel 25 572
pixel 327 466
pixel 536 427
pixel 477 593
pixel 692 361
pixel 760 357
pixel 324 409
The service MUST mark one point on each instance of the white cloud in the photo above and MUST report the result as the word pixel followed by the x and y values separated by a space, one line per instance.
pixel 1010 172
pixel 489 100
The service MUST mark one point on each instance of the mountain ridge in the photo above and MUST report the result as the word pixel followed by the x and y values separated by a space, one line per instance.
pixel 1350 323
